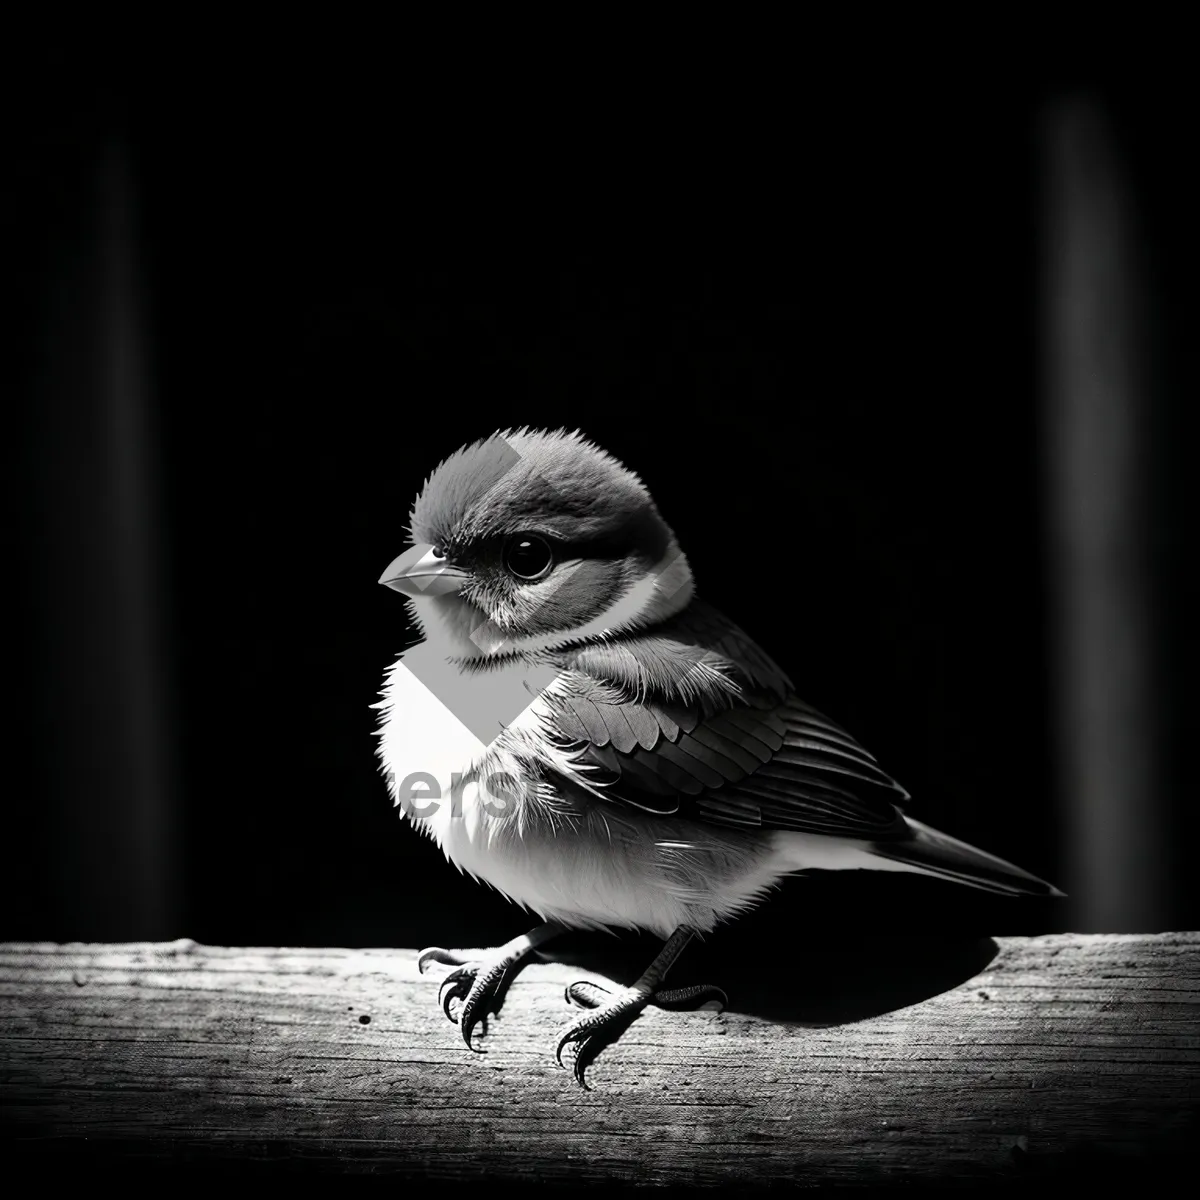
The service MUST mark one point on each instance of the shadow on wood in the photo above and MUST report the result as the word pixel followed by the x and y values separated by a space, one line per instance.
pixel 818 983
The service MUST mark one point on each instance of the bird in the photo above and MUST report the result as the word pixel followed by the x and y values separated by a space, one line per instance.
pixel 575 727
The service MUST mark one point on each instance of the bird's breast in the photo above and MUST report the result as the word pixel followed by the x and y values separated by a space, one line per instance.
pixel 449 742
pixel 453 746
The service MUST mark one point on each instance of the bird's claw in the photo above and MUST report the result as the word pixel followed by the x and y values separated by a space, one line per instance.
pixel 609 1015
pixel 473 983
pixel 457 986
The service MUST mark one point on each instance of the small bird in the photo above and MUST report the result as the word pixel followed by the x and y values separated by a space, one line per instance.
pixel 579 730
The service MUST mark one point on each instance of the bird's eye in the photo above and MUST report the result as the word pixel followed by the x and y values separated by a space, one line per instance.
pixel 528 556
pixel 439 552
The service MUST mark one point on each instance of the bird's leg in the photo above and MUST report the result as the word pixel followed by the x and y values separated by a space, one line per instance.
pixel 613 1012
pixel 480 983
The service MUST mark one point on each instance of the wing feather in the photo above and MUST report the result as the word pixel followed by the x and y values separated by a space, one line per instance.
pixel 646 729
pixel 620 732
pixel 729 748
pixel 754 756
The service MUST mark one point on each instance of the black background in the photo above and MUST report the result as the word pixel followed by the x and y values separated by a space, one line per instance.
pixel 808 321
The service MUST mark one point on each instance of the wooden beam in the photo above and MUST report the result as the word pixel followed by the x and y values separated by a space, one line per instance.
pixel 1061 1056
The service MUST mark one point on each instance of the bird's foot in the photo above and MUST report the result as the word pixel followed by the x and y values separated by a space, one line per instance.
pixel 612 1013
pixel 472 989
pixel 478 984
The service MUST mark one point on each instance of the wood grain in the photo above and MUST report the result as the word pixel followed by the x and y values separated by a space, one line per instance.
pixel 1064 1055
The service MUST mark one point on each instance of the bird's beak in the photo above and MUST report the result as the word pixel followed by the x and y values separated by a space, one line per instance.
pixel 417 572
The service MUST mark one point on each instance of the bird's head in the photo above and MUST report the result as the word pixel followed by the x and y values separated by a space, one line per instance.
pixel 529 540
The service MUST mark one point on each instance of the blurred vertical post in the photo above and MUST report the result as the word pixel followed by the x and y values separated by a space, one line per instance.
pixel 1097 394
pixel 105 740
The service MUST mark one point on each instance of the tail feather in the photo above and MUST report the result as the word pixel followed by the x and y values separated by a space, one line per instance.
pixel 932 853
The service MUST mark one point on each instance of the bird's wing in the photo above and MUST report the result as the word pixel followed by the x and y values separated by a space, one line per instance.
pixel 696 721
